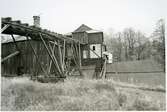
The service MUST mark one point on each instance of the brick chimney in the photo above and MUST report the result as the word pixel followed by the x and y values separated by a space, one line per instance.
pixel 36 21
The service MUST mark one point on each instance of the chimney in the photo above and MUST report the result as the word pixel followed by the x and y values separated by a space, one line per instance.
pixel 36 21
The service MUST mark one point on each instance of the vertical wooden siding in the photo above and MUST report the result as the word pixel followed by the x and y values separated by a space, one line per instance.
pixel 26 59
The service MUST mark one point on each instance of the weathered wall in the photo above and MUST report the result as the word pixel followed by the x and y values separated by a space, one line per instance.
pixel 81 36
pixel 95 38
pixel 97 50
pixel 26 59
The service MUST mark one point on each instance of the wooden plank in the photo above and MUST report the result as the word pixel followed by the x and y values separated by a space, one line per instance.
pixel 10 56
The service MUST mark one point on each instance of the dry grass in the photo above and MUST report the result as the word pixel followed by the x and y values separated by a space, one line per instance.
pixel 73 94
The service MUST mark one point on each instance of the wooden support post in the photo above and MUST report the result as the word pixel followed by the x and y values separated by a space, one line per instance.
pixel 103 71
pixel 10 56
pixel 64 51
pixel 80 56
pixel 36 56
pixel 49 53
pixel 76 49
pixel 60 56
pixel 77 54
pixel 101 57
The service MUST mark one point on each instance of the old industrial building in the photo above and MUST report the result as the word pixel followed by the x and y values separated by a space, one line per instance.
pixel 86 50
pixel 35 51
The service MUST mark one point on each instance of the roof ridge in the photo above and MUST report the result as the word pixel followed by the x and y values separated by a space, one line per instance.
pixel 83 28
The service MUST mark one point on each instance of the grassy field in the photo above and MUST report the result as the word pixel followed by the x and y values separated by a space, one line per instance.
pixel 78 94
pixel 151 79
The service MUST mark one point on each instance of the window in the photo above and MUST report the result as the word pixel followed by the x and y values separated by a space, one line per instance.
pixel 94 48
pixel 85 54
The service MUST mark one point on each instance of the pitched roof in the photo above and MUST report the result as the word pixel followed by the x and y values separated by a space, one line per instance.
pixel 83 28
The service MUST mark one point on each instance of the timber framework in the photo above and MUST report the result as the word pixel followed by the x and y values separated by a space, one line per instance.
pixel 49 53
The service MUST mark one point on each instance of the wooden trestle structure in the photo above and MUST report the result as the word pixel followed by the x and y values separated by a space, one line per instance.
pixel 50 40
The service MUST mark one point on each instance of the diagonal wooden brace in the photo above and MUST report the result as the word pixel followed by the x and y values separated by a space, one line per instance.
pixel 49 53
pixel 4 28
pixel 10 56
pixel 52 50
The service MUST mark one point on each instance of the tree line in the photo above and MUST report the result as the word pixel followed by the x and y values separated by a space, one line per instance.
pixel 130 44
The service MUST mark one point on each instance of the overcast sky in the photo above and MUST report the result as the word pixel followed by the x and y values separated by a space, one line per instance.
pixel 65 16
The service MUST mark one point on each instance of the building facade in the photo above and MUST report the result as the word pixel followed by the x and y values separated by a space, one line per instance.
pixel 91 51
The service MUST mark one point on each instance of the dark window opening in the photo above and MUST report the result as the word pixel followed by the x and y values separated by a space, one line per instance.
pixel 94 48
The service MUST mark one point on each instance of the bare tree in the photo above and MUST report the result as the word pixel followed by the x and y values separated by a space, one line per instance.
pixel 159 35
pixel 141 45
pixel 129 42
pixel 129 45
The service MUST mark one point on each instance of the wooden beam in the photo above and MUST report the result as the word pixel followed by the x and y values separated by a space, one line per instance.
pixel 101 56
pixel 80 56
pixel 4 28
pixel 60 56
pixel 76 48
pixel 10 56
pixel 64 51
